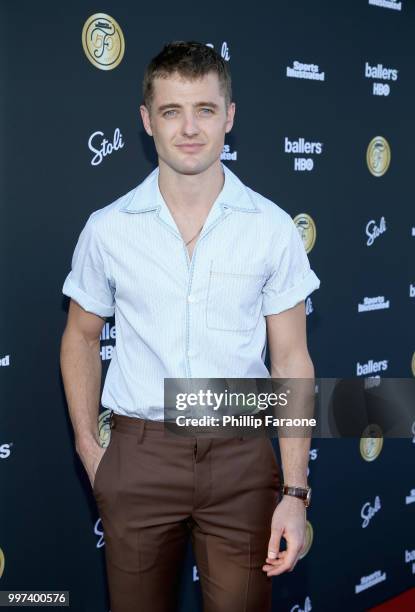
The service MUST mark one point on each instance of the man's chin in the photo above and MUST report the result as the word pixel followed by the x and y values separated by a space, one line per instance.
pixel 192 167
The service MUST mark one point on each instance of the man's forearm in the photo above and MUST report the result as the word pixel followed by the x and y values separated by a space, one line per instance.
pixel 295 450
pixel 294 458
pixel 81 372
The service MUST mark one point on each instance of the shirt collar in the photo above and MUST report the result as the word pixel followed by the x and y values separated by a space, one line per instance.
pixel 234 194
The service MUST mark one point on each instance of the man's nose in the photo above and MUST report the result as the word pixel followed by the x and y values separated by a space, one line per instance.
pixel 190 125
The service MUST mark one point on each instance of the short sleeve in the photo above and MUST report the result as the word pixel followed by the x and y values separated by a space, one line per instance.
pixel 291 279
pixel 88 282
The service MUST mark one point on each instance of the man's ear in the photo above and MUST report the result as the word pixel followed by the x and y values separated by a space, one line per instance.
pixel 230 114
pixel 145 116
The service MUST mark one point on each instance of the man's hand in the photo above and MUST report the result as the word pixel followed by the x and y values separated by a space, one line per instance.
pixel 289 521
pixel 91 454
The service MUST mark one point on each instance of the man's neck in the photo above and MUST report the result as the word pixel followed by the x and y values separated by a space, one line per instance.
pixel 187 193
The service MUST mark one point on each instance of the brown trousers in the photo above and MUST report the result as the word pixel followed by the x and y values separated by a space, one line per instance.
pixel 154 489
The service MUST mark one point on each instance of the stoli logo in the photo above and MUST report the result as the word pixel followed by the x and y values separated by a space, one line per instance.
pixel 368 511
pixel 307 606
pixel 105 147
pixel 373 231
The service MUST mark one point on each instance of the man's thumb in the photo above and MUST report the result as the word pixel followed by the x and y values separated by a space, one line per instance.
pixel 274 544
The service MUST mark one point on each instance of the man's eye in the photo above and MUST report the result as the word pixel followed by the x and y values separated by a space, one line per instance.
pixel 169 113
pixel 206 110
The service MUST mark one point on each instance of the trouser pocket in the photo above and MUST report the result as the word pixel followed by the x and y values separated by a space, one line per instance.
pixel 101 469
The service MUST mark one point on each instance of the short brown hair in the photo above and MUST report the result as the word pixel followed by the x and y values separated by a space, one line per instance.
pixel 191 60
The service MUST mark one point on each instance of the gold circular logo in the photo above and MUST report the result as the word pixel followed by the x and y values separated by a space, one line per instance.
pixel 371 442
pixel 104 427
pixel 103 41
pixel 308 540
pixel 413 364
pixel 378 155
pixel 2 562
pixel 307 230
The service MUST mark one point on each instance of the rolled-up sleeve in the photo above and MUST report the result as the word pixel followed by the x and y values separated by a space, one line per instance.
pixel 291 279
pixel 89 281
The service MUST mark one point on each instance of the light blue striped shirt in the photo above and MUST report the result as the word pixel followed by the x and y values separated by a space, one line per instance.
pixel 182 318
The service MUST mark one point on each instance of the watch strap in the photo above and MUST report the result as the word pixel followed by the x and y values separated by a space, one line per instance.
pixel 300 492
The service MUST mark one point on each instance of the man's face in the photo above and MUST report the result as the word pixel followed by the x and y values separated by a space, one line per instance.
pixel 188 121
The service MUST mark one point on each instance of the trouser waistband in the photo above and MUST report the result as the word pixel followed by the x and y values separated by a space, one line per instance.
pixel 137 426
pixel 121 421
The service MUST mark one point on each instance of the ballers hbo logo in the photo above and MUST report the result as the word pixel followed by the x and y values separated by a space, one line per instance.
pixel 378 156
pixel 307 230
pixel 103 41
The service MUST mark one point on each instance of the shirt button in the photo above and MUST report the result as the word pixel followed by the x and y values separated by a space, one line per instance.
pixel 191 299
pixel 191 353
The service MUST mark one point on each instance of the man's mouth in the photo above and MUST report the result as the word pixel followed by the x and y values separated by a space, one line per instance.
pixel 194 146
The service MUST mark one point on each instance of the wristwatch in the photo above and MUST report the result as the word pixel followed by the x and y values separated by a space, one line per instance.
pixel 304 494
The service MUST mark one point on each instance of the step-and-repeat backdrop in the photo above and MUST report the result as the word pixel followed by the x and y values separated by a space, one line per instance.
pixel 325 100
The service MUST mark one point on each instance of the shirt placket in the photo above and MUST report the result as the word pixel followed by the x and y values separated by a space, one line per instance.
pixel 217 214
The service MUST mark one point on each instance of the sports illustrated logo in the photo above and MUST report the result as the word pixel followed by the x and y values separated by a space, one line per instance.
pixel 411 290
pixel 308 540
pixel 227 155
pixel 224 50
pixel 2 562
pixel 410 499
pixel 373 303
pixel 98 530
pixel 5 360
pixel 371 442
pixel 378 156
pixel 105 146
pixel 309 308
pixel 307 606
pixel 373 231
pixel 103 41
pixel 366 582
pixel 305 71
pixel 107 333
pixel 413 232
pixel 368 511
pixel 409 558
pixel 301 145
pixel 388 4
pixel 363 369
pixel 5 450
pixel 307 229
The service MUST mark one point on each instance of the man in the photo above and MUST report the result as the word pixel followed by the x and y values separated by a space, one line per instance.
pixel 199 270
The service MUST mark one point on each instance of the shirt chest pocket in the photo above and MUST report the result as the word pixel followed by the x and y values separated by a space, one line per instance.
pixel 234 300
